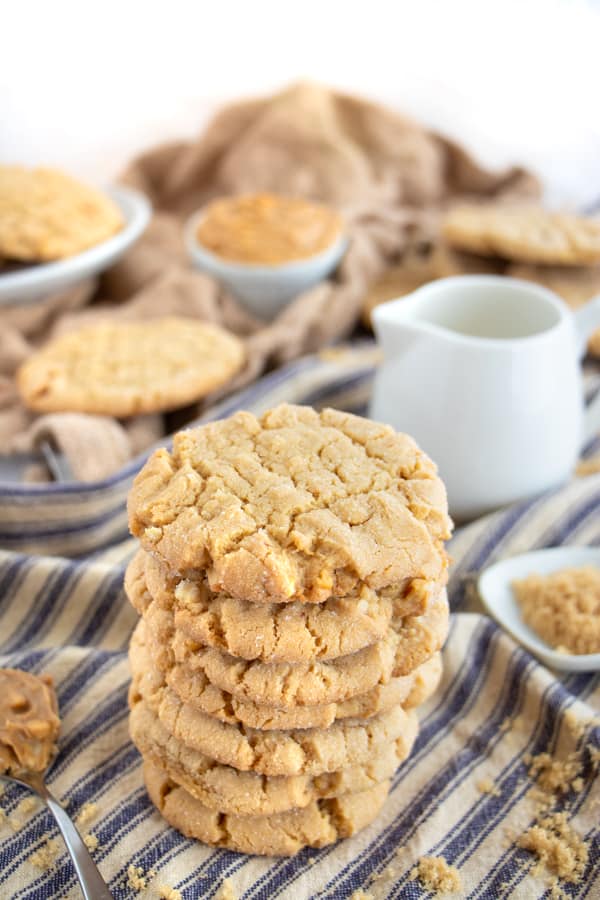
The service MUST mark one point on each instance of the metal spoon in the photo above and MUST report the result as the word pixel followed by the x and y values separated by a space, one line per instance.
pixel 92 883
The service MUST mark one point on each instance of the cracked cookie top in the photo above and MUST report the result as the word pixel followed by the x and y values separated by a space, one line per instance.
pixel 295 505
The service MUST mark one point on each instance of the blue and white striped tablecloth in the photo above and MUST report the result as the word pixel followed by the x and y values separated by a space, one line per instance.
pixel 496 704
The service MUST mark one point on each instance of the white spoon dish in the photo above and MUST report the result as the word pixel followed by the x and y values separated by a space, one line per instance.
pixel 495 590
pixel 35 283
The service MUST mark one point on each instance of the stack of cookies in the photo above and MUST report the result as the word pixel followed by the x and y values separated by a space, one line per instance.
pixel 291 587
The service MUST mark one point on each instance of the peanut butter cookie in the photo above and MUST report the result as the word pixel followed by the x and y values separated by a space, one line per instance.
pixel 309 751
pixel 320 823
pixel 293 632
pixel 46 215
pixel 407 644
pixel 575 284
pixel 296 505
pixel 524 234
pixel 125 368
pixel 247 793
pixel 154 669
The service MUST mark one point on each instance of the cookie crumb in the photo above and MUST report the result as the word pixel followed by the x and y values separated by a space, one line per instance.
pixel 45 856
pixel 487 786
pixel 85 815
pixel 136 879
pixel 168 893
pixel 359 894
pixel 91 842
pixel 558 848
pixel 437 875
pixel 226 891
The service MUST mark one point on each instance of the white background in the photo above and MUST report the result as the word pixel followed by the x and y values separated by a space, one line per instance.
pixel 83 85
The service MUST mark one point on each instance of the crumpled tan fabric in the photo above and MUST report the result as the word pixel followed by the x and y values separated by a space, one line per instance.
pixel 388 176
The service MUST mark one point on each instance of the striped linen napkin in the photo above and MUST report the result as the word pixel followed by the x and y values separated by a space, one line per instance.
pixel 465 794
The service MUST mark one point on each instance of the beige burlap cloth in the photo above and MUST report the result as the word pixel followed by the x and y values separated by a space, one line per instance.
pixel 388 176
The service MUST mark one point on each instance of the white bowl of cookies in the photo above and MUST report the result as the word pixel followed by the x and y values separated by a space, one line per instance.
pixel 266 249
pixel 56 231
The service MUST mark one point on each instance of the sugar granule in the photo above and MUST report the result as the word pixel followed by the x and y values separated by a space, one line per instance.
pixel 226 891
pixel 168 893
pixel 437 875
pixel 136 878
pixel 91 842
pixel 555 775
pixel 559 848
pixel 45 856
pixel 487 786
pixel 85 815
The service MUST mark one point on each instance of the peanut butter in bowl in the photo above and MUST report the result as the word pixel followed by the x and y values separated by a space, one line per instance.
pixel 267 229
pixel 266 249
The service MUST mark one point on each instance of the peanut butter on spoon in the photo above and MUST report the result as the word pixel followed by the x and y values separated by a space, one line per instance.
pixel 29 722
pixel 29 726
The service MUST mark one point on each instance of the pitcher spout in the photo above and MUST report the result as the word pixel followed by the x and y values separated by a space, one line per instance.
pixel 395 325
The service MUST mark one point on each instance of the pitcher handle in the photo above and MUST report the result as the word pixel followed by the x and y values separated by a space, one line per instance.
pixel 587 318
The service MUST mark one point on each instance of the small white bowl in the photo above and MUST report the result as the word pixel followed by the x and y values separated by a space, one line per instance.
pixel 263 290
pixel 37 282
pixel 497 596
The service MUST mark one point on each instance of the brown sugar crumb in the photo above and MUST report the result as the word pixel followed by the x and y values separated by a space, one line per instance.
pixel 85 815
pixel 45 856
pixel 555 776
pixel 487 786
pixel 588 466
pixel 437 875
pixel 563 608
pixel 168 893
pixel 576 726
pixel 91 842
pixel 136 879
pixel 226 891
pixel 559 849
pixel 26 806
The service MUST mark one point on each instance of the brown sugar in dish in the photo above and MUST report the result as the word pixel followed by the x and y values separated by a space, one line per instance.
pixel 266 229
pixel 563 608
pixel 437 875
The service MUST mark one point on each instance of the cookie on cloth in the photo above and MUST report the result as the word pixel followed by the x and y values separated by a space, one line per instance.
pixel 195 689
pixel 47 215
pixel 308 751
pixel 524 234
pixel 575 284
pixel 320 823
pixel 408 643
pixel 227 790
pixel 126 368
pixel 296 505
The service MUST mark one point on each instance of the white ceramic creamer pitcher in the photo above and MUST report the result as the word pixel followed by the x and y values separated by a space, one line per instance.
pixel 484 372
